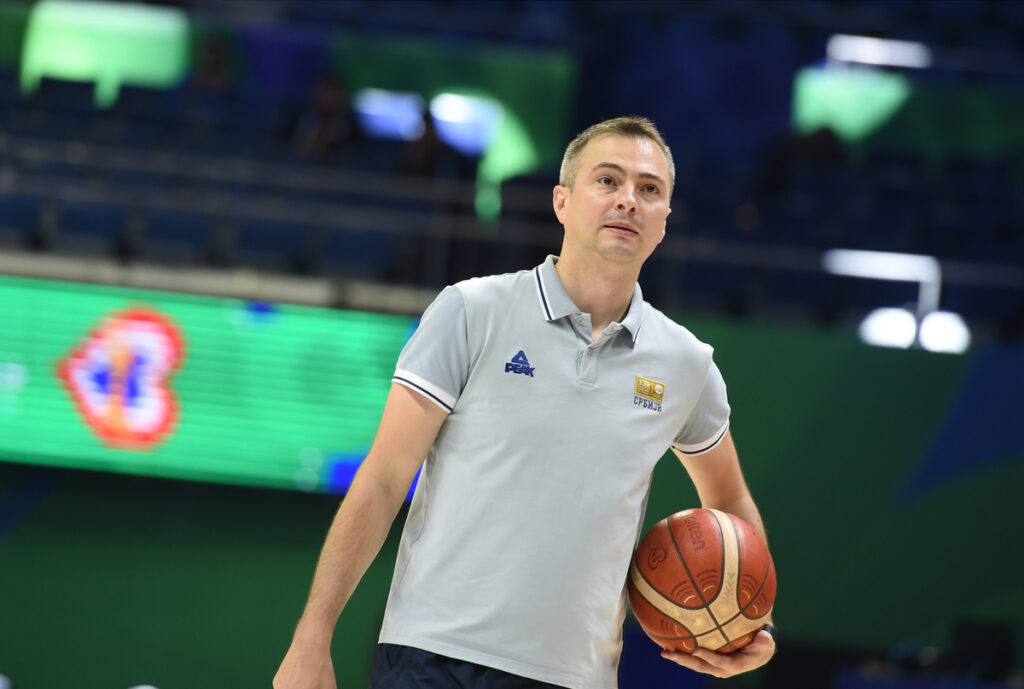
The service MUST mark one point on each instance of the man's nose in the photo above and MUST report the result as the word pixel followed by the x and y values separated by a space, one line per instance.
pixel 627 198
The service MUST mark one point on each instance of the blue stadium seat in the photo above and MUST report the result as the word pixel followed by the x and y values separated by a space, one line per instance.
pixel 363 254
pixel 56 170
pixel 127 180
pixel 980 303
pixel 1011 13
pixel 19 216
pixel 962 12
pixel 112 129
pixel 269 244
pixel 8 87
pixel 969 178
pixel 71 97
pixel 92 227
pixel 147 105
pixel 798 219
pixel 178 237
pixel 25 121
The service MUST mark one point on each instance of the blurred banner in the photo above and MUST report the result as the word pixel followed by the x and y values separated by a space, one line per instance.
pixel 875 111
pixel 190 387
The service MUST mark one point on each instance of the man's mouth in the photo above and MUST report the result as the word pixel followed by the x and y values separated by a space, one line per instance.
pixel 621 228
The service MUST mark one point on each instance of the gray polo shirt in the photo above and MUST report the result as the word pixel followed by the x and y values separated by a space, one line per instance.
pixel 517 544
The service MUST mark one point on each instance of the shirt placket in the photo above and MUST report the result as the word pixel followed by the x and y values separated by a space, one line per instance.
pixel 587 356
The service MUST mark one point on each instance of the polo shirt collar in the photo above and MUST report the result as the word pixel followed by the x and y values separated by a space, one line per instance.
pixel 556 303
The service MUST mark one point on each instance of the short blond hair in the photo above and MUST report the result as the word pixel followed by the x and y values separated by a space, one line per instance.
pixel 636 127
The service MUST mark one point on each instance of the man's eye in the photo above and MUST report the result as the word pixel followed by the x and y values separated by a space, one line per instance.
pixel 651 189
pixel 606 180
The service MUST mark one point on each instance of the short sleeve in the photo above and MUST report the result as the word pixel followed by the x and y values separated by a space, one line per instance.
pixel 435 360
pixel 709 420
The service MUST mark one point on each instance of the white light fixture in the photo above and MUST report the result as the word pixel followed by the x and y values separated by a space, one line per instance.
pixel 889 327
pixel 884 265
pixel 390 114
pixel 878 51
pixel 945 331
pixel 467 123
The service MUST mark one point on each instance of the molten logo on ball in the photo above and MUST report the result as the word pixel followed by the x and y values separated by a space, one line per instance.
pixel 696 537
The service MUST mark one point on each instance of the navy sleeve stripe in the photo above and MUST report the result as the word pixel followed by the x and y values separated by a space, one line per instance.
pixel 428 393
pixel 708 446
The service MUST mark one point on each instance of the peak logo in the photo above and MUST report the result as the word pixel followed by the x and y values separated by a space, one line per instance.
pixel 519 364
pixel 118 378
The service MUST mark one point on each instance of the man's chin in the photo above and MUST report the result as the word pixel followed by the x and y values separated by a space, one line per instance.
pixel 619 253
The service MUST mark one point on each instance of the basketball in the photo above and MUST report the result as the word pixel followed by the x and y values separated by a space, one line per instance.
pixel 701 578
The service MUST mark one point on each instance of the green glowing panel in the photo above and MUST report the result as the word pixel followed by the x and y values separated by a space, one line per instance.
pixel 852 102
pixel 110 44
pixel 170 385
pixel 536 86
pixel 511 152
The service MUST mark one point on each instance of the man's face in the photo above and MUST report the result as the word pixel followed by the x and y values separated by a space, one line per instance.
pixel 620 201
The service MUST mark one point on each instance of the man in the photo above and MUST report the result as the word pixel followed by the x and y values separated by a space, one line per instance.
pixel 541 401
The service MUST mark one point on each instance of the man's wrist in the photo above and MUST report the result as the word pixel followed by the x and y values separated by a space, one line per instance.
pixel 313 633
pixel 772 632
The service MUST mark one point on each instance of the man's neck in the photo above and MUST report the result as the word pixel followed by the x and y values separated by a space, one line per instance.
pixel 602 289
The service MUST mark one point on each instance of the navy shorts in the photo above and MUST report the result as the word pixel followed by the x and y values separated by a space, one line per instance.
pixel 405 667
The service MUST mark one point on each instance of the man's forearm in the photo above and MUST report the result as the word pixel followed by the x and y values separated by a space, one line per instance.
pixel 359 529
pixel 745 509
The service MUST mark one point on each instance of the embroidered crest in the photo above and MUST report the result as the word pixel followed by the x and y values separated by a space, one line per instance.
pixel 648 393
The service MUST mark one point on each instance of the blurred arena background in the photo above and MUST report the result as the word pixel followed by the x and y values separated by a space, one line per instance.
pixel 220 220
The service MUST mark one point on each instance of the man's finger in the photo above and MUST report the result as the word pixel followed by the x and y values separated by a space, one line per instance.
pixel 750 657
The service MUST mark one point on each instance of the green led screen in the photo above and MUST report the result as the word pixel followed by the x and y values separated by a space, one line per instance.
pixel 106 43
pixel 180 386
pixel 852 102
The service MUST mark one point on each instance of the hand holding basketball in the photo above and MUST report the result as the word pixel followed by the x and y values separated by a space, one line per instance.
pixel 702 582
pixel 750 657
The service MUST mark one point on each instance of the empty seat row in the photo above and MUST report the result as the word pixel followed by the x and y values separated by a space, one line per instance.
pixel 184 237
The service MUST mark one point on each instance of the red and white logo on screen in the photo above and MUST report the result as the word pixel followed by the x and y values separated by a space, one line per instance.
pixel 119 376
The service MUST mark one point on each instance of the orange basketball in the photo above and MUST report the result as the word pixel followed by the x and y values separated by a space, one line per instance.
pixel 701 578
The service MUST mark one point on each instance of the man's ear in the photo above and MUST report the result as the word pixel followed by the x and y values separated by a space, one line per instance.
pixel 664 229
pixel 559 198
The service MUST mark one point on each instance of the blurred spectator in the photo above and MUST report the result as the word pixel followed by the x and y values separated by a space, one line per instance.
pixel 820 147
pixel 430 156
pixel 209 88
pixel 437 260
pixel 212 74
pixel 328 124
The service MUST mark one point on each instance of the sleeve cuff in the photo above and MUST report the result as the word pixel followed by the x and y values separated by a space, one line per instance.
pixel 425 388
pixel 701 448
